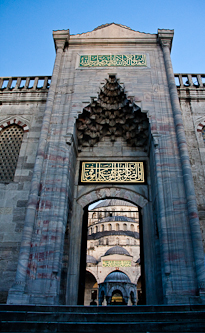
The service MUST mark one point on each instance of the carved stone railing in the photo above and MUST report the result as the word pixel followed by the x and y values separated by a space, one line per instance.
pixel 36 83
pixel 31 83
pixel 190 80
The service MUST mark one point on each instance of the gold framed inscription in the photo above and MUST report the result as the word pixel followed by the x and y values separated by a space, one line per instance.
pixel 113 60
pixel 116 263
pixel 112 172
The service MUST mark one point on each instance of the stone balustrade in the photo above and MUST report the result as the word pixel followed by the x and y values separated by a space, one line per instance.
pixel 190 80
pixel 31 83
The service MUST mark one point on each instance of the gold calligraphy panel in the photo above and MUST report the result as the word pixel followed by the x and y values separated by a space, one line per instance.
pixel 116 263
pixel 112 172
pixel 119 60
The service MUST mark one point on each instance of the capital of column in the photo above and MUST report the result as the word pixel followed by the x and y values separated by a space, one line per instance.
pixel 165 37
pixel 60 38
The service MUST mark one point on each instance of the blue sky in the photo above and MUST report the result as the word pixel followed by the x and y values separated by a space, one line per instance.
pixel 26 29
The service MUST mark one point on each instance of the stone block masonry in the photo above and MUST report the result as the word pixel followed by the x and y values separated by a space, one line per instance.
pixel 22 102
pixel 46 200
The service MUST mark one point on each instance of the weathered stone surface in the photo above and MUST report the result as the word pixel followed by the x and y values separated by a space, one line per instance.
pixel 56 203
pixel 15 195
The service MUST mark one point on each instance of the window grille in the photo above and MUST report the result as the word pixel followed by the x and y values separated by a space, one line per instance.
pixel 10 143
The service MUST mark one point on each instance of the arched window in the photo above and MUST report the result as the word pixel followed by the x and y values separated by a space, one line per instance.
pixel 10 143
pixel 100 241
pixel 102 228
pixel 117 227
pixel 127 241
pixel 109 227
pixel 96 229
pixel 117 241
pixel 132 227
pixel 125 227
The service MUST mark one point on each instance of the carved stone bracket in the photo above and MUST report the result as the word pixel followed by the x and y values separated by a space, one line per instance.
pixel 156 139
pixel 69 138
pixel 60 38
pixel 165 37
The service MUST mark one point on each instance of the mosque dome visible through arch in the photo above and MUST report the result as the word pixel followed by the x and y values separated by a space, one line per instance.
pixel 113 246
pixel 117 250
pixel 114 202
pixel 91 260
pixel 117 276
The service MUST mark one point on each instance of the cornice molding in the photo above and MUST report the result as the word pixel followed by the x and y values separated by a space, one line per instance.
pixel 60 38
pixel 100 41
pixel 165 37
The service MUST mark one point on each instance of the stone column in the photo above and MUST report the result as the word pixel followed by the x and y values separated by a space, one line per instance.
pixel 162 219
pixel 74 255
pixel 165 39
pixel 16 293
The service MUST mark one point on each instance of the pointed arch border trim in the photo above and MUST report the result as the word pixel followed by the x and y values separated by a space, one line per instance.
pixel 112 192
pixel 14 121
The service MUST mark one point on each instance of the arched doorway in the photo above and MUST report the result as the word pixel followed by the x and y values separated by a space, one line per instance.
pixel 91 289
pixel 117 298
pixel 83 241
pixel 110 246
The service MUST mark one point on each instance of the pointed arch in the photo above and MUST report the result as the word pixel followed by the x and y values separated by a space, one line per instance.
pixel 112 192
pixel 14 120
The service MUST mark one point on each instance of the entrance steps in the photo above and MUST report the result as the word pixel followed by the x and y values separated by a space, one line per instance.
pixel 100 319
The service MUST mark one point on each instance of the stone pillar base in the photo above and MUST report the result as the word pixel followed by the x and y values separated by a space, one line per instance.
pixel 17 297
pixel 185 299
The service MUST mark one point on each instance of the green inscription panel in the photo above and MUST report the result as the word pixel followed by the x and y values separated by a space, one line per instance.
pixel 116 263
pixel 120 60
pixel 112 172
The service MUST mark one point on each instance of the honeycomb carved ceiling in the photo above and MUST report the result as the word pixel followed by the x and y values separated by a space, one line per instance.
pixel 112 115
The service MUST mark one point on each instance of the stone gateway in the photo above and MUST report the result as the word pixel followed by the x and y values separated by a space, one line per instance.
pixel 113 123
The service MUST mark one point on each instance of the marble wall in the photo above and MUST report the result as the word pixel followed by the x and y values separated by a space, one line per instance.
pixel 50 164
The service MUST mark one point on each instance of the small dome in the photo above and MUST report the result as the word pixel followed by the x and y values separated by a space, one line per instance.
pixel 117 250
pixel 117 276
pixel 91 260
